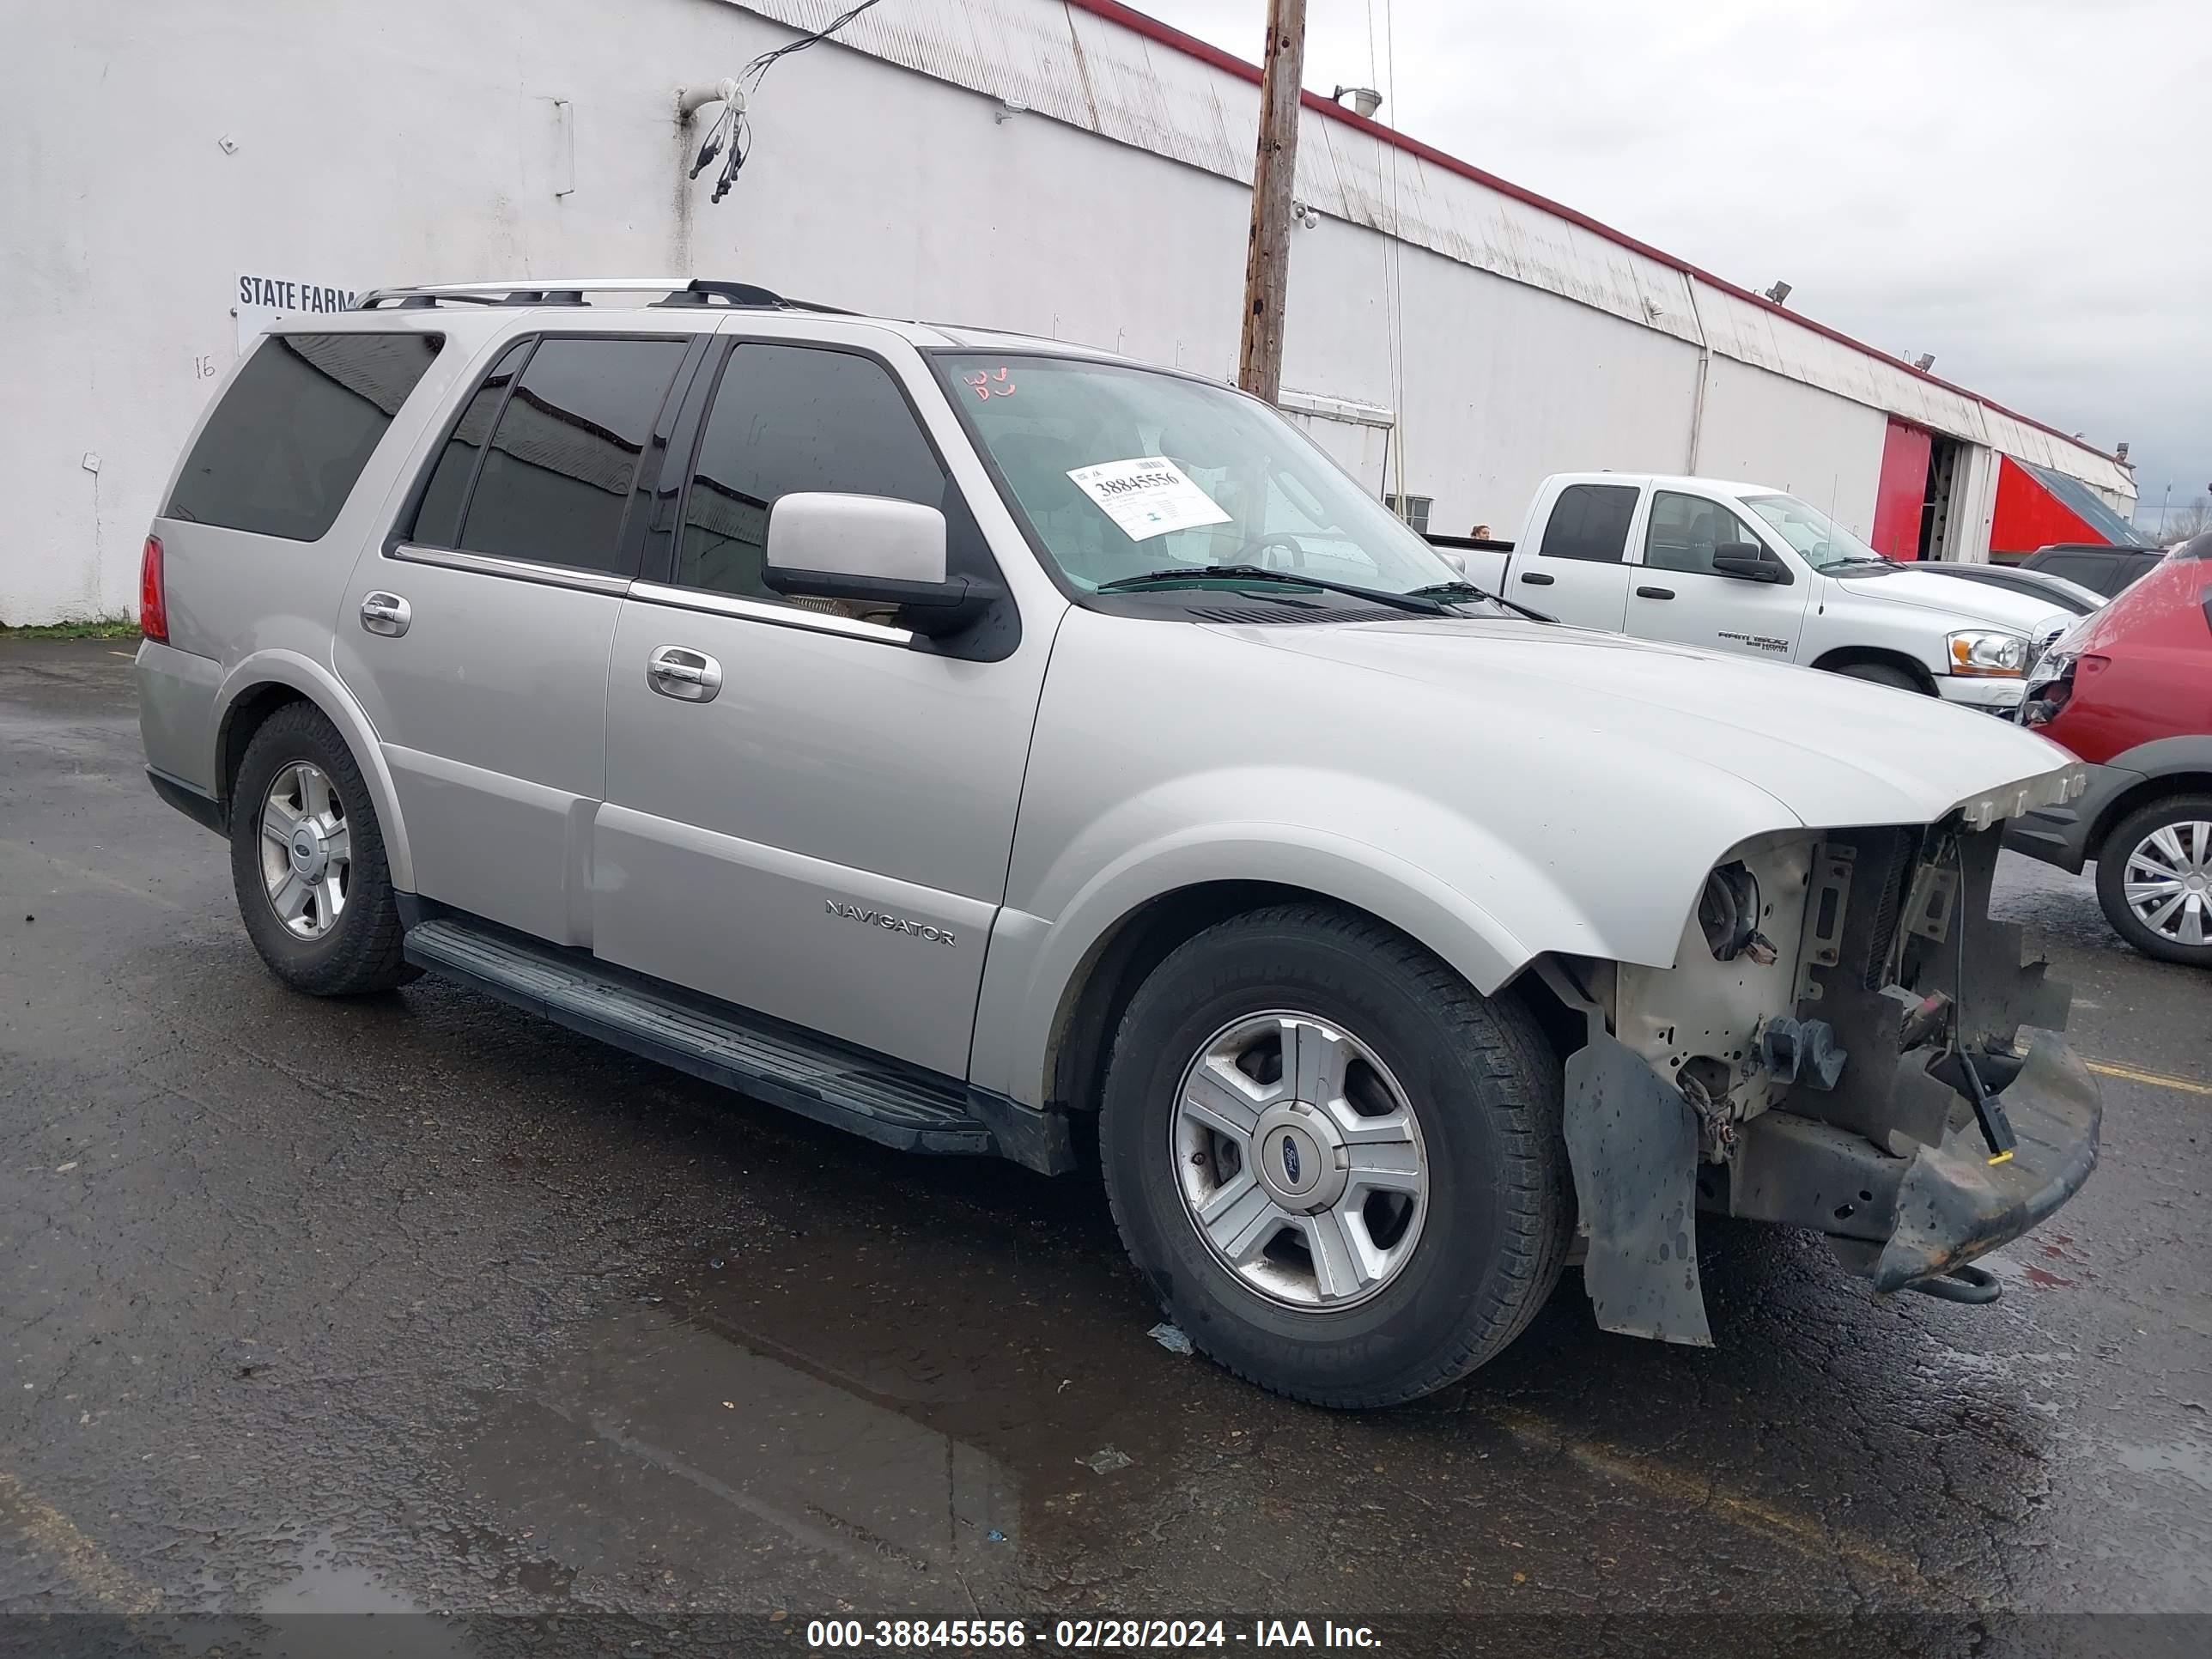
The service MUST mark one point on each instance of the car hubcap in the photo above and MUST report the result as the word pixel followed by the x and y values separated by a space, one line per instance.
pixel 307 851
pixel 1300 1160
pixel 2169 882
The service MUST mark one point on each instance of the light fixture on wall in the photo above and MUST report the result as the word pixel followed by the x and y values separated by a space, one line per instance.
pixel 1364 99
pixel 1924 362
pixel 1779 292
pixel 1305 214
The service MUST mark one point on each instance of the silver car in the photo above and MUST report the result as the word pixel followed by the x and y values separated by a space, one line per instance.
pixel 957 737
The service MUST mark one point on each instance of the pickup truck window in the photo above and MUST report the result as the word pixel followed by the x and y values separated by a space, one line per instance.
pixel 1231 480
pixel 1685 529
pixel 789 418
pixel 1820 540
pixel 1589 522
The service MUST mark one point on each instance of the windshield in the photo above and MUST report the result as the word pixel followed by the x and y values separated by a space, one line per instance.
pixel 1819 539
pixel 1123 471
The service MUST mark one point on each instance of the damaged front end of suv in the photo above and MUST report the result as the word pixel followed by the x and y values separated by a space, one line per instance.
pixel 1848 1043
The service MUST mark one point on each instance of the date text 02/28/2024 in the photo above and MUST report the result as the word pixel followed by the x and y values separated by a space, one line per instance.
pixel 1084 1634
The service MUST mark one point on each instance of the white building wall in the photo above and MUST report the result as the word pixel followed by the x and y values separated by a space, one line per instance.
pixel 1761 426
pixel 153 154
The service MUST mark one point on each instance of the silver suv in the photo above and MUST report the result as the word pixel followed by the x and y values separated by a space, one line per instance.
pixel 981 743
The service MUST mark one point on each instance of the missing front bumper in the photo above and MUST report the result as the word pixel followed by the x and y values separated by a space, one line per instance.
pixel 1898 1218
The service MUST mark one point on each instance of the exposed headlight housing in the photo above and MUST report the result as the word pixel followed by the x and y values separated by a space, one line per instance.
pixel 1980 651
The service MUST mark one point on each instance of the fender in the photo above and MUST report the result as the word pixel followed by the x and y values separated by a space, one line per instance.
pixel 315 681
pixel 1034 961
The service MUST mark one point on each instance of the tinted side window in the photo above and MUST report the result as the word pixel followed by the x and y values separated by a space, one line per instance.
pixel 281 452
pixel 1685 529
pixel 789 418
pixel 557 475
pixel 438 518
pixel 1590 521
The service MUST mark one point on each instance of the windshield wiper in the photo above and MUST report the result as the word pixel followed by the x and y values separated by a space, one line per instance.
pixel 1420 604
pixel 1456 590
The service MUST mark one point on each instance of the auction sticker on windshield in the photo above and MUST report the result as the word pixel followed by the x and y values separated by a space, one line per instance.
pixel 1148 496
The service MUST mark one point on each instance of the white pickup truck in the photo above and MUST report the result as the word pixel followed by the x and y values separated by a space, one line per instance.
pixel 1743 567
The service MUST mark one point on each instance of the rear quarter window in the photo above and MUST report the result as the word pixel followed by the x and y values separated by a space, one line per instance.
pixel 284 449
pixel 1589 522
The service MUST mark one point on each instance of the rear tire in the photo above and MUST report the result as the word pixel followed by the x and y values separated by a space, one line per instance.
pixel 326 921
pixel 2161 865
pixel 1388 1032
pixel 1880 674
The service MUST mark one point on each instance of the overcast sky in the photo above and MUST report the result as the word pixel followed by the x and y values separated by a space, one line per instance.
pixel 2023 187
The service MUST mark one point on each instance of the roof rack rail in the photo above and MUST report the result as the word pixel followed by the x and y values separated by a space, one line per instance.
pixel 571 291
pixel 701 290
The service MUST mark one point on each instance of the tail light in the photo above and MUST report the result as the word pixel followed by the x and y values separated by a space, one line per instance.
pixel 153 602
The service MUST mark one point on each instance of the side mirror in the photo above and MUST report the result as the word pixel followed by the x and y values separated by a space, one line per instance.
pixel 870 550
pixel 1748 562
pixel 1456 561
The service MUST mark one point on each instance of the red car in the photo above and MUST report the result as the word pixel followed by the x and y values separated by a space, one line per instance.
pixel 2129 689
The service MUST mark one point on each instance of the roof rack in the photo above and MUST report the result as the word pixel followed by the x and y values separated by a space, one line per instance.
pixel 570 291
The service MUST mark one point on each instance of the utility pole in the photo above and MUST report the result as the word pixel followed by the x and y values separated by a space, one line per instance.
pixel 1267 259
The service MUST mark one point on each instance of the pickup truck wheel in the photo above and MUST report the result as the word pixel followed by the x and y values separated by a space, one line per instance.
pixel 306 859
pixel 1341 1168
pixel 2154 879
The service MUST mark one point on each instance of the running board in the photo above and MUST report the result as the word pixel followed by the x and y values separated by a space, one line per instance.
pixel 873 1097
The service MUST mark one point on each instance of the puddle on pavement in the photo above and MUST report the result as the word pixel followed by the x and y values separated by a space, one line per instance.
pixel 892 1403
pixel 2189 1460
pixel 327 1582
pixel 287 1622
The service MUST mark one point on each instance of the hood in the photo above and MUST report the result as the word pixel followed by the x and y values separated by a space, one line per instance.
pixel 1963 605
pixel 1834 752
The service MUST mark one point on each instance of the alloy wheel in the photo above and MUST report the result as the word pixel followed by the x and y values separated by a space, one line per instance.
pixel 2167 882
pixel 1300 1160
pixel 307 850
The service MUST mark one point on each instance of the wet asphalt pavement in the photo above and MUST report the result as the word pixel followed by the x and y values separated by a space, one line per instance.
pixel 417 1304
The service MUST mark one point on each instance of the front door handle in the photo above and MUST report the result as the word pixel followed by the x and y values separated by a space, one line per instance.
pixel 675 671
pixel 385 613
pixel 1654 592
pixel 1535 579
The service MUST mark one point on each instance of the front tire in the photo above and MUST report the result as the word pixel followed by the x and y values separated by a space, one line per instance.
pixel 307 860
pixel 2154 879
pixel 1341 1169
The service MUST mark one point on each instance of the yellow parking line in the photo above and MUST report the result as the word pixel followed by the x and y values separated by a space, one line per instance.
pixel 2156 1080
pixel 49 1532
pixel 1806 1536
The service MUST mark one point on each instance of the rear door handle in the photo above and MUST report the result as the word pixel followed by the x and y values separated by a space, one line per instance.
pixel 385 613
pixel 1535 579
pixel 676 671
pixel 1654 592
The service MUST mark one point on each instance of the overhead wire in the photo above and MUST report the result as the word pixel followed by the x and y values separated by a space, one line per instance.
pixel 758 69
pixel 731 135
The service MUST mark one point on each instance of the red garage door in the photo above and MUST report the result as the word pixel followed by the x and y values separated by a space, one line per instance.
pixel 1902 492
